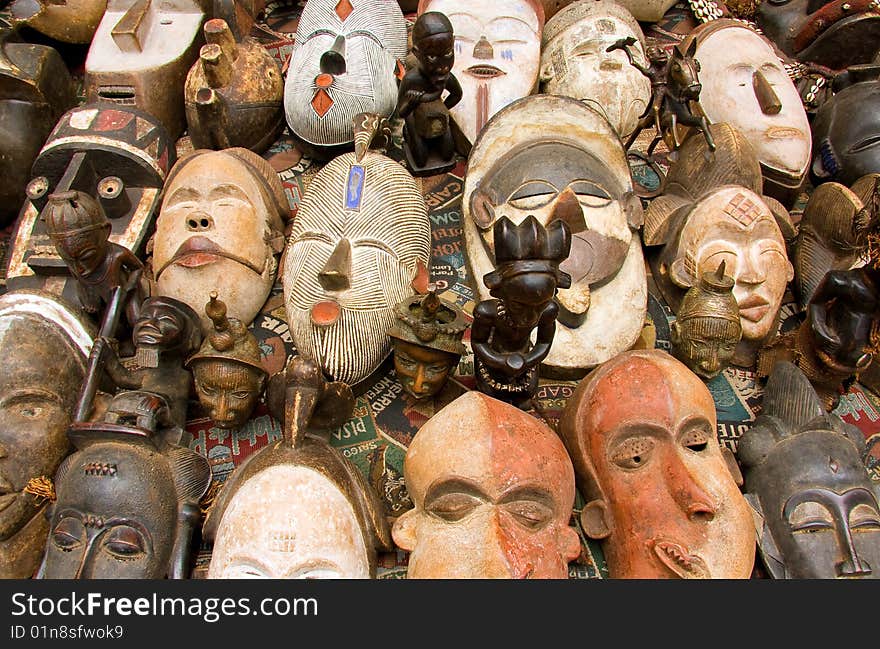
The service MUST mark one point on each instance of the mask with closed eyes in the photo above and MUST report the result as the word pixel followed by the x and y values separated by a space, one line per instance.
pixel 805 475
pixel 346 60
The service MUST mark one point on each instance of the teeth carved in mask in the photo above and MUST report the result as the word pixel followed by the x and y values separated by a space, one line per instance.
pixel 44 346
pixel 575 63
pixel 497 55
pixel 548 155
pixel 219 229
pixel 745 85
pixel 805 476
pixel 660 492
pixel 346 60
pixel 360 239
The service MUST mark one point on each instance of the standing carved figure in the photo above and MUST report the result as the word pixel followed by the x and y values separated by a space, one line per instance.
pixel 524 284
pixel 429 145
pixel 673 90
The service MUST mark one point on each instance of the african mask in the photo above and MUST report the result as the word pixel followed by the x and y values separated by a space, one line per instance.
pixel 69 21
pixel 555 157
pixel 846 129
pixel 140 55
pixel 426 337
pixel 484 508
pixel 220 226
pixel 44 346
pixel 345 61
pixel 233 93
pixel 228 376
pixel 35 89
pixel 119 157
pixel 575 63
pixel 834 231
pixel 707 328
pixel 745 85
pixel 659 490
pixel 497 55
pixel 833 34
pixel 126 503
pixel 523 284
pixel 712 211
pixel 805 476
pixel 297 509
pixel 360 239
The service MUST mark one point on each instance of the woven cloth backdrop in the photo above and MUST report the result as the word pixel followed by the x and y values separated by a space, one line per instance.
pixel 385 418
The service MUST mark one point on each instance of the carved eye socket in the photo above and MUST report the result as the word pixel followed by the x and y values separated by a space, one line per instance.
pixel 696 440
pixel 867 143
pixel 241 395
pixel 810 517
pixel 69 534
pixel 124 542
pixel 530 514
pixel 864 518
pixel 207 389
pixel 453 507
pixel 633 452
pixel 532 195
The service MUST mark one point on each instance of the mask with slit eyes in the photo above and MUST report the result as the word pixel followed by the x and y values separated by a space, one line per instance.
pixel 805 475
pixel 346 60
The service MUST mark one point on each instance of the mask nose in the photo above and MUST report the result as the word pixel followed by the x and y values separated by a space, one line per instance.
pixel 333 60
pixel 767 98
pixel 221 409
pixel 690 496
pixel 499 561
pixel 199 222
pixel 853 567
pixel 336 274
pixel 483 49
pixel 711 364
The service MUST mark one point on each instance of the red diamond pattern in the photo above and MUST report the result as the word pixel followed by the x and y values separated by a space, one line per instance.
pixel 343 9
pixel 321 102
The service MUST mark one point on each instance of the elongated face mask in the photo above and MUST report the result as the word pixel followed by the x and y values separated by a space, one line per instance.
pixel 497 55
pixel 483 507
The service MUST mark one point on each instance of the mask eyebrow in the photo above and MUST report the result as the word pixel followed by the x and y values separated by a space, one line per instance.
pixel 182 194
pixel 534 494
pixel 228 191
pixel 28 394
pixel 442 488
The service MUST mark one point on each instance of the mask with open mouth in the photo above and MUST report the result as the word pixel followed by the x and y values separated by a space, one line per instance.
pixel 805 476
pixel 497 55
pixel 44 345
pixel 219 229
pixel 660 491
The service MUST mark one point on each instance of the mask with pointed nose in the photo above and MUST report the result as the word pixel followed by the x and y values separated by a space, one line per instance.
pixel 497 55
pixel 805 476
pixel 483 507
pixel 660 491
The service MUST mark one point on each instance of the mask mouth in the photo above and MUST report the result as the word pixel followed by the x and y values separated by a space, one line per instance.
pixel 677 558
pixel 485 71
pixel 200 251
pixel 754 308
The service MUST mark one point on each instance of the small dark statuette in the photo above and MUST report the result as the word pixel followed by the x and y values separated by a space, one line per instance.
pixel 165 334
pixel 673 90
pixel 525 281
pixel 229 378
pixel 78 227
pixel 427 343
pixel 429 143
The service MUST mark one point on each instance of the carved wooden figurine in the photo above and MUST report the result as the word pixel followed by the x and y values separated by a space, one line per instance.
pixel 346 60
pixel 220 228
pixel 523 284
pixel 117 155
pixel 69 21
pixel 140 55
pixel 661 493
pixel 846 129
pixel 229 378
pixel 745 85
pixel 674 91
pixel 497 55
pixel 806 480
pixel 555 157
pixel 35 89
pixel 484 508
pixel 127 502
pixel 298 509
pixel 428 141
pixel 427 343
pixel 350 262
pixel 707 329
pixel 233 93
pixel 575 61
pixel 44 346
pixel 166 333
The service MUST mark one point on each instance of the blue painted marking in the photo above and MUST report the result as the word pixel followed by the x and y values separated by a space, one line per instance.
pixel 354 188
